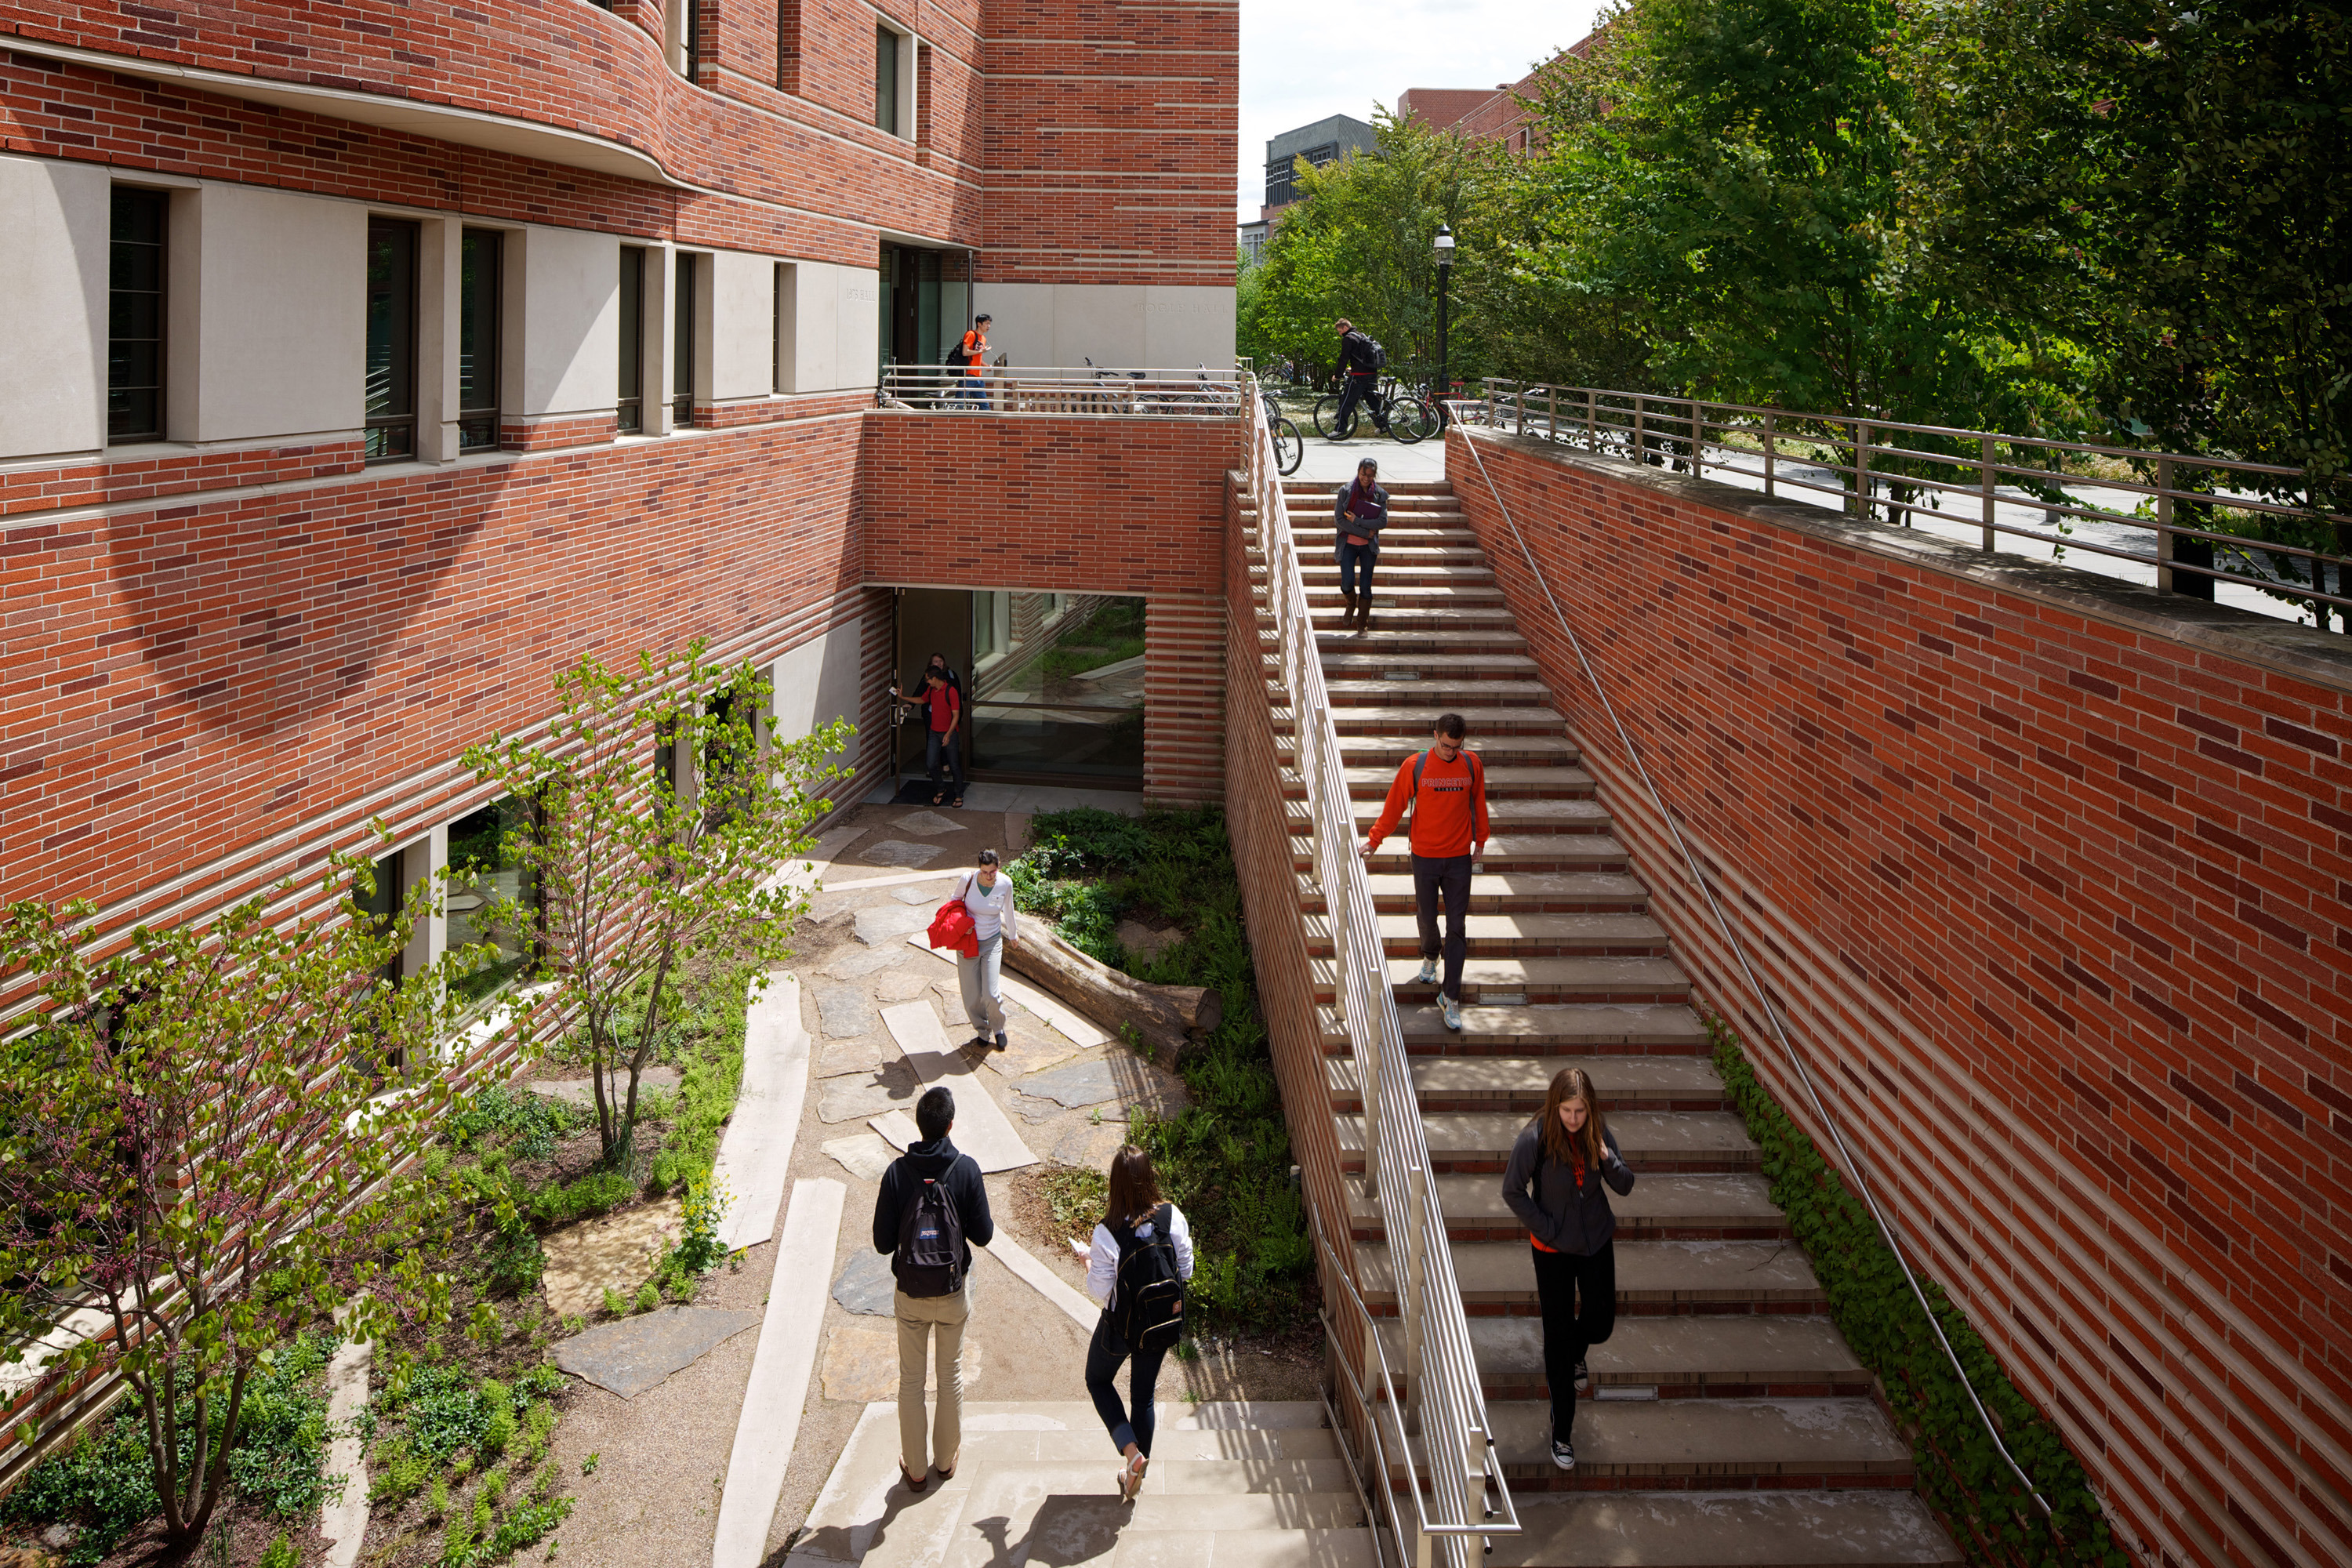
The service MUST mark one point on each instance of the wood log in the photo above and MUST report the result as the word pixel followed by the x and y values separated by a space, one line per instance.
pixel 1164 1016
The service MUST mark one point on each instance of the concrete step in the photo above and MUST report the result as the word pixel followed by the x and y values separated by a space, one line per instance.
pixel 1561 892
pixel 1514 1085
pixel 1581 1027
pixel 1239 1549
pixel 1653 1277
pixel 1323 594
pixel 1403 724
pixel 1519 936
pixel 1766 1444
pixel 1876 1528
pixel 1515 813
pixel 1508 855
pixel 1749 1356
pixel 1488 980
pixel 1446 634
pixel 1341 662
pixel 1666 1141
pixel 1434 696
pixel 1381 754
pixel 1728 1207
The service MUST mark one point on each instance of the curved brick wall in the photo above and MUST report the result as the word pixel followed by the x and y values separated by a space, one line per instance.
pixel 2054 880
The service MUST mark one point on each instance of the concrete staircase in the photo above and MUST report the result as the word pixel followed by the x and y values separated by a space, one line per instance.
pixel 1231 1485
pixel 1728 1421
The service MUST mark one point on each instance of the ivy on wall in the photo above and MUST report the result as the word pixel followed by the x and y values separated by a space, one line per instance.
pixel 1960 1473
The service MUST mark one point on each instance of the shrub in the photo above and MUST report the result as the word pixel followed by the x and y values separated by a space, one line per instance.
pixel 101 1481
pixel 281 1553
pixel 598 1192
pixel 648 1296
pixel 526 1124
pixel 282 1433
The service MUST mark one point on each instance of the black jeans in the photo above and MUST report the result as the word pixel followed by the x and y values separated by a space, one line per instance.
pixel 1573 1326
pixel 1356 563
pixel 1103 1356
pixel 937 742
pixel 1360 389
pixel 1444 880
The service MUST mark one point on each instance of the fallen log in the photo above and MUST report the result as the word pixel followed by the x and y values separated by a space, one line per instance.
pixel 1164 1016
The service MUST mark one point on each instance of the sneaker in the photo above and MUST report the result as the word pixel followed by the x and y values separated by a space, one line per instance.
pixel 977 1043
pixel 1451 1007
pixel 1583 1378
pixel 1563 1455
pixel 1000 1039
pixel 1428 976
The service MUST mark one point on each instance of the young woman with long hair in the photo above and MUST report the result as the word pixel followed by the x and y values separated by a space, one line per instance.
pixel 1553 1184
pixel 1135 1212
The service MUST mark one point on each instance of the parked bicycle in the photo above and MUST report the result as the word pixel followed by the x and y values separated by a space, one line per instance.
pixel 1289 447
pixel 1410 416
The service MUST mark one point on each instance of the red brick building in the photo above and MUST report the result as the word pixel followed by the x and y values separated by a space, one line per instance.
pixel 375 361
pixel 1496 114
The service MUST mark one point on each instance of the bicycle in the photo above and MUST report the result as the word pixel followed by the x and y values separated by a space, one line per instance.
pixel 1410 416
pixel 1289 447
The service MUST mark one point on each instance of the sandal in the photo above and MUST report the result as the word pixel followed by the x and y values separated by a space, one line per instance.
pixel 956 804
pixel 915 1483
pixel 938 797
pixel 1130 1479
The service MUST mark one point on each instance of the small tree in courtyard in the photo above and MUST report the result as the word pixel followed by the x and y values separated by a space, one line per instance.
pixel 662 817
pixel 196 1164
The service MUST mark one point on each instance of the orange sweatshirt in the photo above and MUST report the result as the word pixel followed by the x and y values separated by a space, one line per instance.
pixel 1450 815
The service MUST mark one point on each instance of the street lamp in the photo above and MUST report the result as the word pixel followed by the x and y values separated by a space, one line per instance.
pixel 1444 249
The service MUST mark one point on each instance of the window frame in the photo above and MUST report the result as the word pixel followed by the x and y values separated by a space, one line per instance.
pixel 885 80
pixel 490 343
pixel 685 361
pixel 161 203
pixel 629 401
pixel 403 424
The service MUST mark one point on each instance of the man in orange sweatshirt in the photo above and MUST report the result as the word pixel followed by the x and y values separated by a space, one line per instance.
pixel 1446 787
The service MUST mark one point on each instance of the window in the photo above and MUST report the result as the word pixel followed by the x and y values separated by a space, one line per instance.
pixel 885 80
pixel 632 404
pixel 492 894
pixel 788 46
pixel 681 385
pixel 693 20
pixel 482 254
pixel 776 334
pixel 391 339
pixel 134 317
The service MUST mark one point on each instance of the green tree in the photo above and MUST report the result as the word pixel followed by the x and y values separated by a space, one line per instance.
pixel 662 817
pixel 196 1164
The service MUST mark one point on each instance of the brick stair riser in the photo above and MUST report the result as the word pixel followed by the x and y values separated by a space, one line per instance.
pixel 1501 822
pixel 1498 790
pixel 1435 694
pixel 1594 1478
pixel 1350 1101
pixel 1515 947
pixel 1476 1162
pixel 1476 994
pixel 1312 904
pixel 1469 1042
pixel 1555 852
pixel 1373 1230
pixel 1371 726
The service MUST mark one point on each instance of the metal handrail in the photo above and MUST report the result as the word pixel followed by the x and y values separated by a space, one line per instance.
pixel 1447 1398
pixel 1197 393
pixel 1755 443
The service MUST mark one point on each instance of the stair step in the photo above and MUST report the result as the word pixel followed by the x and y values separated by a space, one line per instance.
pixel 1745 1356
pixel 1724 1206
pixel 1514 1085
pixel 1517 782
pixel 1556 892
pixel 1525 816
pixel 1382 754
pixel 1198 1443
pixel 1649 1141
pixel 1669 1028
pixel 1343 662
pixel 1710 1443
pixel 1350 691
pixel 1520 853
pixel 1652 1276
pixel 1237 1548
pixel 1875 1528
pixel 1243 1511
pixel 1614 979
pixel 1402 728
pixel 1519 936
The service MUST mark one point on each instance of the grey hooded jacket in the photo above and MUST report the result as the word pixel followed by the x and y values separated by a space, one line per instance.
pixel 1545 1195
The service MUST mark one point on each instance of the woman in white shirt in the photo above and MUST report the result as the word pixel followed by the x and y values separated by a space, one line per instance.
pixel 1135 1211
pixel 987 896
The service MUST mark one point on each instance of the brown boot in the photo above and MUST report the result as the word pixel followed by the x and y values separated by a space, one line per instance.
pixel 1363 614
pixel 1348 616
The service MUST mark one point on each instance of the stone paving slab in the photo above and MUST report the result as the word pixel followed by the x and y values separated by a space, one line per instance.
pixel 928 824
pixel 886 922
pixel 755 1155
pixel 617 1251
pixel 844 1011
pixel 852 962
pixel 902 852
pixel 634 1354
pixel 983 1130
pixel 863 1154
pixel 865 1284
pixel 854 1096
pixel 582 1091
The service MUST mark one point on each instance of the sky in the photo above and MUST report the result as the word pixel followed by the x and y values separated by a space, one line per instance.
pixel 1301 62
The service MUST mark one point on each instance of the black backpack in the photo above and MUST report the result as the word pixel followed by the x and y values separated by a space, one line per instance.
pixel 1151 1311
pixel 930 1257
pixel 1379 354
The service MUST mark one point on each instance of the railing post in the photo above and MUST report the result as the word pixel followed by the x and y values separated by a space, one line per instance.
pixel 1591 420
pixel 1409 1273
pixel 1699 438
pixel 1552 413
pixel 1862 469
pixel 1985 475
pixel 2164 540
pixel 1769 421
pixel 1522 427
pixel 1641 437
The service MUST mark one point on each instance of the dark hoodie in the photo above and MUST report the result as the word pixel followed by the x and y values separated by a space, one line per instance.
pixel 937 1161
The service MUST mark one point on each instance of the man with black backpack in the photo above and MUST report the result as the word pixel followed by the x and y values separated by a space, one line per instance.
pixel 968 354
pixel 1361 360
pixel 1446 787
pixel 930 1211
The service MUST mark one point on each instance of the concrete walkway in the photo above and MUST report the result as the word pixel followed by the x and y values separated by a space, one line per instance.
pixel 757 1148
pixel 1337 461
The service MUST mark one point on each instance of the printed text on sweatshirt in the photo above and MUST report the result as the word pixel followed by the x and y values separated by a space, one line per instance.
pixel 1450 816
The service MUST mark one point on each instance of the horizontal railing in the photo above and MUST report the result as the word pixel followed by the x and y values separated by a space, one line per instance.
pixel 1466 1493
pixel 1195 394
pixel 2155 509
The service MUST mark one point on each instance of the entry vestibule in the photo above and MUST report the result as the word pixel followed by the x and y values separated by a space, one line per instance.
pixel 925 302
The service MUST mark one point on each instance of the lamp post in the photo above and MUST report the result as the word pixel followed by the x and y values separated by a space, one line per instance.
pixel 1444 249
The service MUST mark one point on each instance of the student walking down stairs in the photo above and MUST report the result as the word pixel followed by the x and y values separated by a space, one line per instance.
pixel 1724 1420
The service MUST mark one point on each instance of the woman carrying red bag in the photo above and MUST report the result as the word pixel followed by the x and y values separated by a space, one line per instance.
pixel 987 896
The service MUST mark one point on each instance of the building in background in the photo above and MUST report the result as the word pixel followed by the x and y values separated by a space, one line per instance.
pixel 1498 114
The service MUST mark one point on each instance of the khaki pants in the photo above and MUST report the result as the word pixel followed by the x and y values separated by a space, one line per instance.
pixel 919 1318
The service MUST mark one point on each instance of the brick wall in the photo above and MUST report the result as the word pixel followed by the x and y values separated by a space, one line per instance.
pixel 2053 878
pixel 1074 505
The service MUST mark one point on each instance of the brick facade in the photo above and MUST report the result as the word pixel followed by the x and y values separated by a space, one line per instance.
pixel 2053 878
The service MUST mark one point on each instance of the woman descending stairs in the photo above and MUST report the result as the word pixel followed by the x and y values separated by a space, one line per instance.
pixel 1728 1420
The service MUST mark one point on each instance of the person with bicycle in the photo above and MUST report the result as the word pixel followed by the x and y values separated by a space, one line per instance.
pixel 1360 362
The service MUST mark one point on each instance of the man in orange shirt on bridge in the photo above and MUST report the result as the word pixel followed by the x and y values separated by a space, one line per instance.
pixel 1446 787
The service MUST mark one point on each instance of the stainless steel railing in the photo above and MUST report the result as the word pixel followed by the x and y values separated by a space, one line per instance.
pixel 1200 393
pixel 1464 1493
pixel 1941 474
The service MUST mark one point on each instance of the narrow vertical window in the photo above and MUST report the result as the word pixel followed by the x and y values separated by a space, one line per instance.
pixel 693 36
pixel 776 334
pixel 788 45
pixel 632 403
pixel 477 339
pixel 885 80
pixel 134 317
pixel 681 386
pixel 391 339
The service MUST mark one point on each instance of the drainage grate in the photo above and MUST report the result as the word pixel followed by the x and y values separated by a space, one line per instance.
pixel 1400 675
pixel 1625 1391
pixel 1503 998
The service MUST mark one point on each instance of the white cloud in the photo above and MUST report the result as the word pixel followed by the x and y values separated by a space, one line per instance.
pixel 1301 63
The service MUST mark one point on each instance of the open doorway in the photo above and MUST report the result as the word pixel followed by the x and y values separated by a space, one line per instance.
pixel 1052 683
pixel 925 302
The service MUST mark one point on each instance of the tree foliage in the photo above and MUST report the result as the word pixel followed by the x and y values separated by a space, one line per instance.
pixel 661 816
pixel 195 1163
